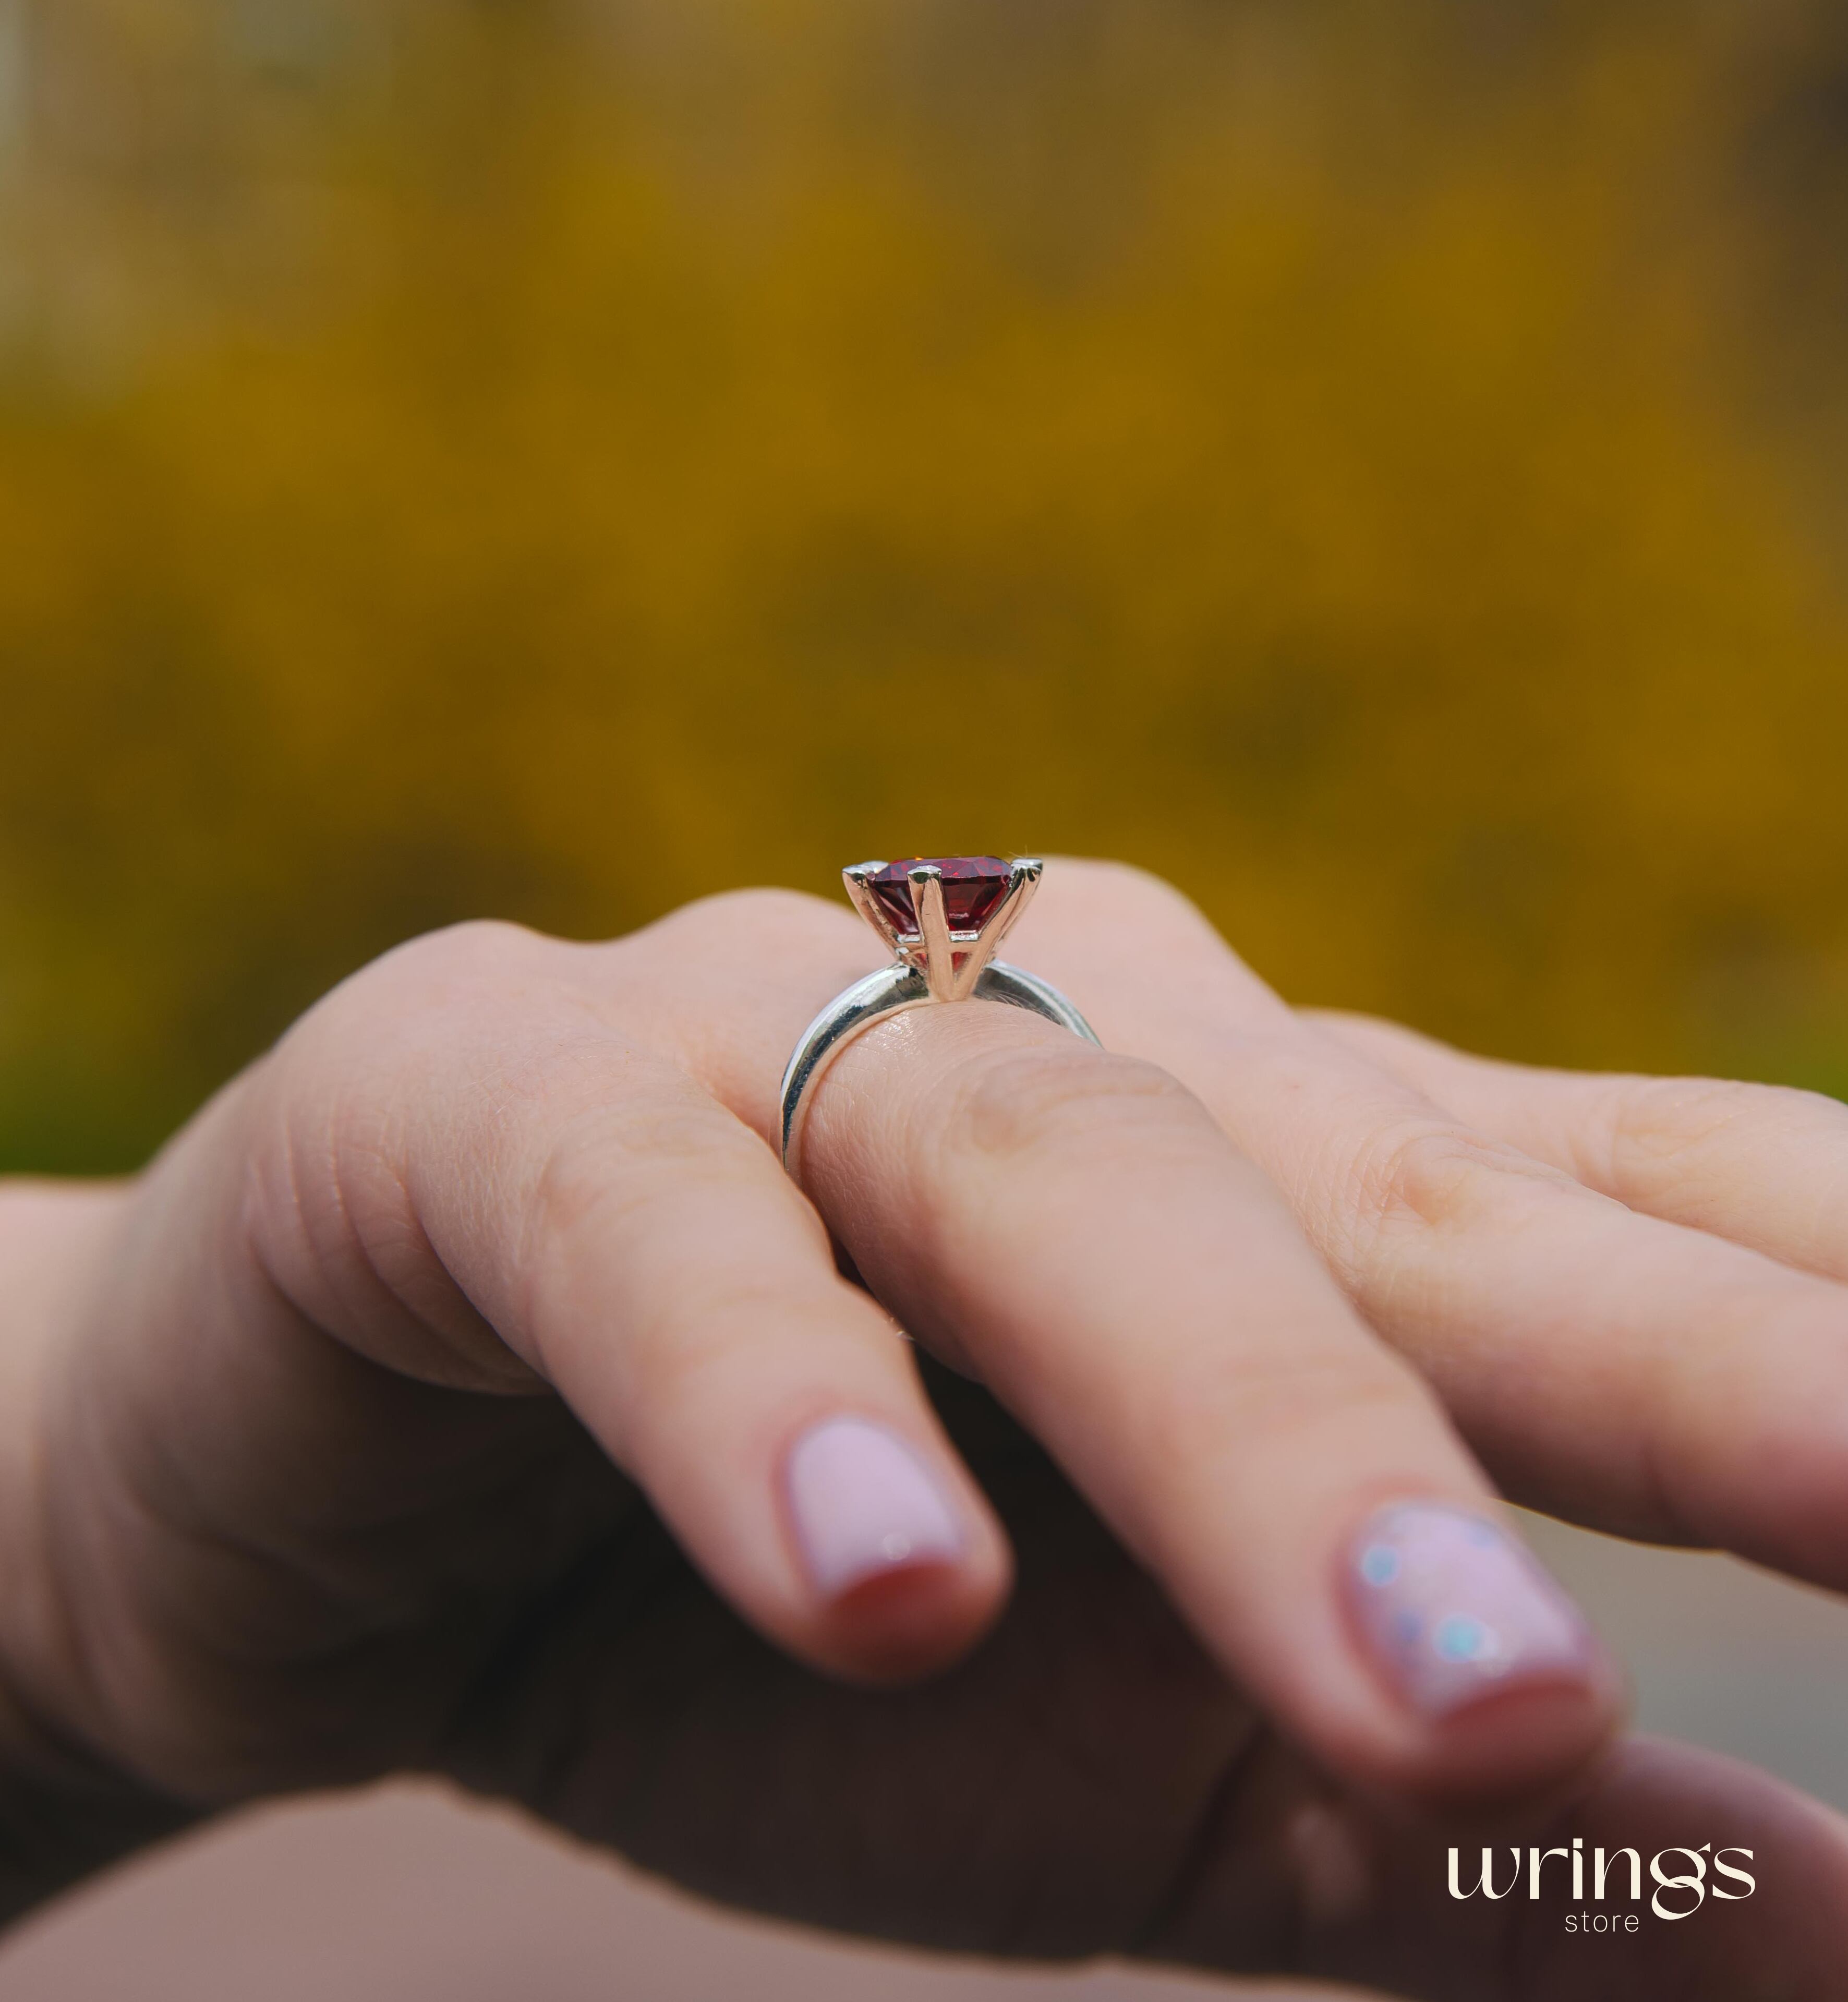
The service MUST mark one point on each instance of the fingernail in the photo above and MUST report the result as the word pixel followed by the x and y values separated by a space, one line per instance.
pixel 1451 1609
pixel 863 1502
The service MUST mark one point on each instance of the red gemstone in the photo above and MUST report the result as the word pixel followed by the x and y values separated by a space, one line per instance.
pixel 974 886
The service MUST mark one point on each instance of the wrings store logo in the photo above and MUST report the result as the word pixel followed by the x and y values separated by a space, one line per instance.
pixel 1679 1893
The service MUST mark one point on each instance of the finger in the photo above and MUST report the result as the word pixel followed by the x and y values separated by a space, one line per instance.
pixel 1073 1227
pixel 1610 1366
pixel 1119 1799
pixel 523 1179
pixel 1616 1898
pixel 1762 1164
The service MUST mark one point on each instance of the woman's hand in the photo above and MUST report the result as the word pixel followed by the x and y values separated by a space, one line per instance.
pixel 285 1502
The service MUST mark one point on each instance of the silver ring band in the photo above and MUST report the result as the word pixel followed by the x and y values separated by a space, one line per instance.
pixel 890 992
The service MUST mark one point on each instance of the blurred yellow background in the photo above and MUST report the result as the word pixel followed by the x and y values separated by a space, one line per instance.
pixel 1377 461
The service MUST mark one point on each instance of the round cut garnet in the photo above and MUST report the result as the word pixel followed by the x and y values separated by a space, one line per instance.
pixel 974 886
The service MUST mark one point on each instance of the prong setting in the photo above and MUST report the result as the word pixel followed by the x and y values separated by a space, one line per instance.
pixel 945 930
pixel 934 955
pixel 934 962
pixel 858 879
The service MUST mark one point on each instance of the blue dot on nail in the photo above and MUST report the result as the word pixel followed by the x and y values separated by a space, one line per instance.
pixel 1484 1536
pixel 1406 1626
pixel 1380 1563
pixel 1459 1638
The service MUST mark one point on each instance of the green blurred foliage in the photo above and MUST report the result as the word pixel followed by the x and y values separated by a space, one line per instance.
pixel 1373 461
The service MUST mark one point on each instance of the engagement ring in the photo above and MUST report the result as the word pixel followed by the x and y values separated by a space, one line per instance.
pixel 942 918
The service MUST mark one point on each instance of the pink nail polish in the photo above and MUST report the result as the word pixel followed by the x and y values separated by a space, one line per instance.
pixel 1453 1608
pixel 863 1502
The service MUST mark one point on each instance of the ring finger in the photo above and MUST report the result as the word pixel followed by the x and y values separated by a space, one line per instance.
pixel 1074 1227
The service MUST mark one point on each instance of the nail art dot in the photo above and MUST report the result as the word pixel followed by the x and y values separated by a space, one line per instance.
pixel 1380 1563
pixel 1451 1607
pixel 1459 1638
pixel 894 1546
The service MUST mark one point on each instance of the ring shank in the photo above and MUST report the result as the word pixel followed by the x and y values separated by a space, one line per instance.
pixel 890 992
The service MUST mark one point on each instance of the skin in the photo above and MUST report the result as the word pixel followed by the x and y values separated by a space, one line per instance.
pixel 426 1405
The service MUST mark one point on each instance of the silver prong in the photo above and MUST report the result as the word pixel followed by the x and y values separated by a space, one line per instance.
pixel 1023 880
pixel 858 881
pixel 936 954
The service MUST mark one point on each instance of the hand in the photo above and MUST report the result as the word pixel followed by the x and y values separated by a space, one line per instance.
pixel 1629 1292
pixel 283 1510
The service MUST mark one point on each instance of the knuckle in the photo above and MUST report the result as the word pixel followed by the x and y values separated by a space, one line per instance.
pixel 1283 1397
pixel 1031 1101
pixel 673 1356
pixel 739 920
pixel 399 989
pixel 1663 1120
pixel 1439 1177
pixel 600 1195
pixel 1130 879
pixel 477 948
pixel 603 1170
pixel 475 938
pixel 1271 1406
pixel 1125 893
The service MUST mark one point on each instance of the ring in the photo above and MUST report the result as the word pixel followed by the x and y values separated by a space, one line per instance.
pixel 942 918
